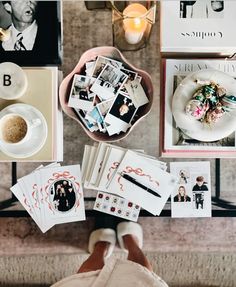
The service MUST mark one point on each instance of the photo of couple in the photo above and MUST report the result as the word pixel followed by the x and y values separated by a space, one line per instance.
pixel 63 195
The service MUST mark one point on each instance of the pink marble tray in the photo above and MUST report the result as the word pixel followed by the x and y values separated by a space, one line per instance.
pixel 111 52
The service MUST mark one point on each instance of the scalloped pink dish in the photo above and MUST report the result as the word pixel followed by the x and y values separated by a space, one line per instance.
pixel 111 52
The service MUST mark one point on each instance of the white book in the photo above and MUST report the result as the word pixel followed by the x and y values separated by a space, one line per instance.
pixel 200 26
pixel 174 141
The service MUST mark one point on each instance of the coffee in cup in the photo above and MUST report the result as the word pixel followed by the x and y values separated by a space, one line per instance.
pixel 13 128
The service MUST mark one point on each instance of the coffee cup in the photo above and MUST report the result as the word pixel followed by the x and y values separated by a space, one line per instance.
pixel 16 129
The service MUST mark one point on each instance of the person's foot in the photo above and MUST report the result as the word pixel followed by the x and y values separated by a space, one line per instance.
pixel 96 259
pixel 104 236
pixel 129 233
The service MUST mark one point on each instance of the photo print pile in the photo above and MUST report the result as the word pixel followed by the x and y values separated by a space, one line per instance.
pixel 108 97
pixel 192 198
pixel 52 195
pixel 133 175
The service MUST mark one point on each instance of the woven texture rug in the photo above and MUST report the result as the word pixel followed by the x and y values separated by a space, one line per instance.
pixel 177 269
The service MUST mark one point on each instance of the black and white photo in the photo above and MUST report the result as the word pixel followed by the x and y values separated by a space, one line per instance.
pixel 100 64
pixel 202 9
pixel 109 81
pixel 32 32
pixel 131 77
pixel 81 97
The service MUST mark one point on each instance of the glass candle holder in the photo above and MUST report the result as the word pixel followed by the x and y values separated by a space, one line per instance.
pixel 132 23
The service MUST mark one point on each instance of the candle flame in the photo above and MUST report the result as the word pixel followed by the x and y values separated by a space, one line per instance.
pixel 137 22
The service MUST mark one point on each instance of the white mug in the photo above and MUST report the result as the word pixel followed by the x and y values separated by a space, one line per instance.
pixel 16 129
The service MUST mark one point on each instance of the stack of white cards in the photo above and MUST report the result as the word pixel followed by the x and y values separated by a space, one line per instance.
pixel 108 97
pixel 132 175
pixel 52 195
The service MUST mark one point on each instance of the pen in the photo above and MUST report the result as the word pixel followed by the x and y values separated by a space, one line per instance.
pixel 134 181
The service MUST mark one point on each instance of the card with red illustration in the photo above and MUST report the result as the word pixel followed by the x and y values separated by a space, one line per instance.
pixel 62 194
pixel 142 182
pixel 32 186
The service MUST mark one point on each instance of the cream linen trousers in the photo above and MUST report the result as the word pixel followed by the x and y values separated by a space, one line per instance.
pixel 115 273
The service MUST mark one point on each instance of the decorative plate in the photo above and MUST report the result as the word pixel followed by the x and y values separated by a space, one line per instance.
pixel 185 101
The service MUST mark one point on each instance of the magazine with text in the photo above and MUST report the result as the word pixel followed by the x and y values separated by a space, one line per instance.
pixel 174 141
pixel 201 26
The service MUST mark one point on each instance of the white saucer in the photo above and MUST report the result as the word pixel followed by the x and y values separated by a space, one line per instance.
pixel 38 136
pixel 192 127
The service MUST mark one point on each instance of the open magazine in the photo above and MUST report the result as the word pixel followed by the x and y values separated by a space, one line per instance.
pixel 174 143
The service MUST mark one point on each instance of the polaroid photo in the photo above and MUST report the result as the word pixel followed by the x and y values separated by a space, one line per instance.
pixel 109 81
pixel 90 126
pixel 89 68
pixel 104 107
pixel 116 206
pixel 131 77
pixel 101 63
pixel 136 93
pixel 96 118
pixel 192 198
pixel 142 182
pixel 80 96
pixel 120 115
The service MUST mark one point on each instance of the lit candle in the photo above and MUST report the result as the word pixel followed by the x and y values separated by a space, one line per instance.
pixel 135 25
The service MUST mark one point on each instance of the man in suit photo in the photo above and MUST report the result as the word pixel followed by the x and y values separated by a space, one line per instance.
pixel 24 27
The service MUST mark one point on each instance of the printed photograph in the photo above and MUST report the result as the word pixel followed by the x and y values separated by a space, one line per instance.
pixel 123 108
pixel 101 63
pixel 183 176
pixel 202 9
pixel 199 189
pixel 95 117
pixel 90 126
pixel 131 76
pixel 111 78
pixel 81 88
pixel 30 32
pixel 182 195
pixel 80 96
pixel 62 194
pixel 104 107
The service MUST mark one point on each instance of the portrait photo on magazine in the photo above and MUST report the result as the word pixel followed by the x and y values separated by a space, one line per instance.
pixel 202 9
pixel 39 43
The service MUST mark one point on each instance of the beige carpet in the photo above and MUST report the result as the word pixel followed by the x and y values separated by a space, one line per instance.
pixel 194 269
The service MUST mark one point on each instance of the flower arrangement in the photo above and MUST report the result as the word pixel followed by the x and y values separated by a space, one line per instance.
pixel 210 102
